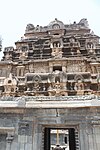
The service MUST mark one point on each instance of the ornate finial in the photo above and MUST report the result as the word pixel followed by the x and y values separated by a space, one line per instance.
pixel 84 22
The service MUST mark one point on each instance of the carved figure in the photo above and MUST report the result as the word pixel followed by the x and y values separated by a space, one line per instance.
pixel 79 86
pixel 30 27
pixel 84 22
pixel 10 84
pixel 57 53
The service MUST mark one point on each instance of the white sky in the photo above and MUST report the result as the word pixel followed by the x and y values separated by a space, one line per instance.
pixel 16 14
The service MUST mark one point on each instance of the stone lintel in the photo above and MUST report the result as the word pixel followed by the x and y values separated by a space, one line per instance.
pixel 50 104
pixel 5 130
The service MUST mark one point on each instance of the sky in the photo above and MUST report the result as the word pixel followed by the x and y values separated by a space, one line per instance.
pixel 16 14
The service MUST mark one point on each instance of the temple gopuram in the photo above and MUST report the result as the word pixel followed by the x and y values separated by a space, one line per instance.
pixel 50 89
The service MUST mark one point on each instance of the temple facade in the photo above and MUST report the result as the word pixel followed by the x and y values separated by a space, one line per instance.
pixel 50 82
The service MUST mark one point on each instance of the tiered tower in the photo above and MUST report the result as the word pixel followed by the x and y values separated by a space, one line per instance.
pixel 51 82
pixel 54 60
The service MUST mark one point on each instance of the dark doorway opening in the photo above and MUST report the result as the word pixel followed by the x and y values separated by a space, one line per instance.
pixel 65 138
pixel 47 139
pixel 59 68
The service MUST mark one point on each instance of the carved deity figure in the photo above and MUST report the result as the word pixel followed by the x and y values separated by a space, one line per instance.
pixel 10 84
pixel 79 85
pixel 57 53
pixel 57 88
pixel 72 40
pixel 36 86
pixel 30 27
pixel 23 55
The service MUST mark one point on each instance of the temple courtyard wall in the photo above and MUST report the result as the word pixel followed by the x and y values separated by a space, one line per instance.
pixel 22 122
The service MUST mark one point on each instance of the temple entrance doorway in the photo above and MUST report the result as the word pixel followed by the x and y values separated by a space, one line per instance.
pixel 61 139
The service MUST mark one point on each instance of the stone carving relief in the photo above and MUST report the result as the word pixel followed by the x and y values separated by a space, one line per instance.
pixel 82 67
pixel 76 66
pixel 72 40
pixel 56 24
pixel 23 51
pixel 36 83
pixel 94 69
pixel 57 53
pixel 8 56
pixel 56 85
pixel 23 126
pixel 57 88
pixel 10 84
pixel 40 68
pixel 8 53
pixel 73 67
pixel 79 82
pixel 5 71
pixel 10 137
pixel 31 69
pixel 29 27
pixel 84 22
pixel 56 46
pixel 79 86
pixel 78 77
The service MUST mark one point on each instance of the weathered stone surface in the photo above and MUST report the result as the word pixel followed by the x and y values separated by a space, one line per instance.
pixel 51 81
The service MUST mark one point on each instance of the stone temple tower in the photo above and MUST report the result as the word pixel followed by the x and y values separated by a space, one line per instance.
pixel 50 85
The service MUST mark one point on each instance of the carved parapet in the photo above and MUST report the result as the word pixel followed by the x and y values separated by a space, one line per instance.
pixel 51 98
pixel 8 49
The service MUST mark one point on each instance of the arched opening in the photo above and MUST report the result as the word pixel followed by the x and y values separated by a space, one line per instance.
pixel 57 79
pixel 57 68
pixel 56 44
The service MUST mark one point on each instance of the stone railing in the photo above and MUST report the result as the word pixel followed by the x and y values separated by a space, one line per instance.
pixel 49 98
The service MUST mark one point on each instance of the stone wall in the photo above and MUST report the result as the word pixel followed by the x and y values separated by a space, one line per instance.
pixel 22 129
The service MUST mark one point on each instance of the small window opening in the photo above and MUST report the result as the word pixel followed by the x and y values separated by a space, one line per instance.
pixel 56 34
pixel 57 79
pixel 57 68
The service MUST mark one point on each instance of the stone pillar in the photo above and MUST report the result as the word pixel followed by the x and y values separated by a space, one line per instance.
pixel 37 143
pixel 90 136
pixel 83 137
pixel 50 69
pixel 25 135
pixel 96 137
pixel 89 133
